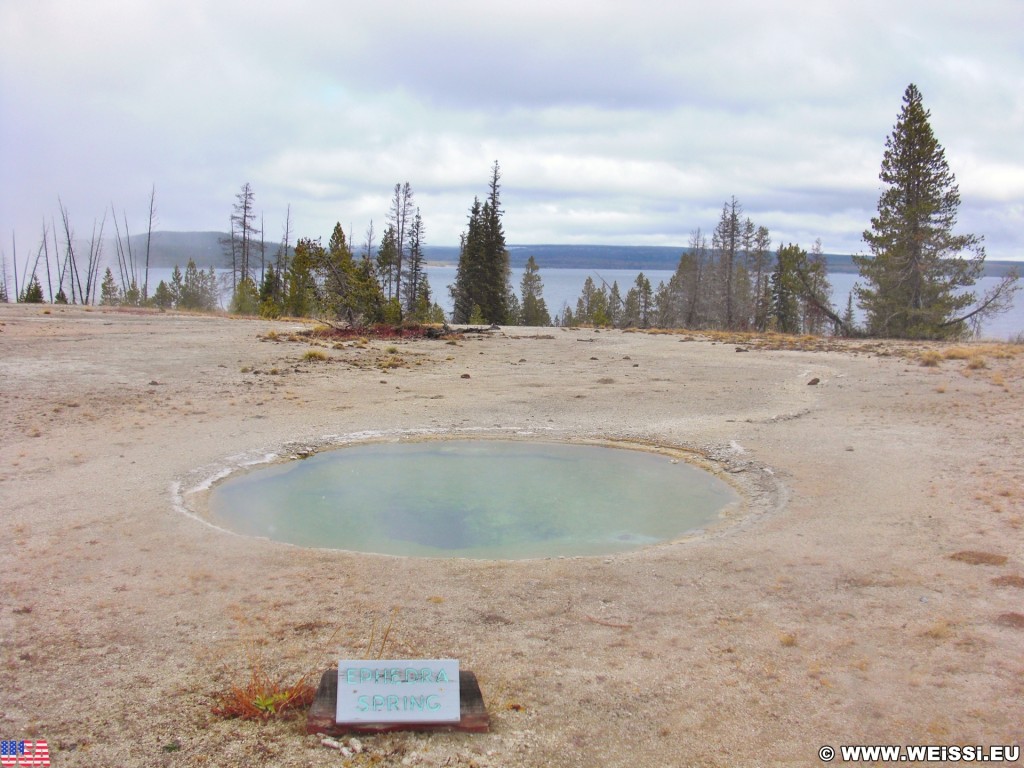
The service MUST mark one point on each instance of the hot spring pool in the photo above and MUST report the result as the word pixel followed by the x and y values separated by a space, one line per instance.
pixel 491 499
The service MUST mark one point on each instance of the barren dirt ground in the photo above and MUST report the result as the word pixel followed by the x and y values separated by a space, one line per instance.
pixel 869 591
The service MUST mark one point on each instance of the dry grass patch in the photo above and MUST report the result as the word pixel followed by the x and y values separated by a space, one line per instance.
pixel 264 696
pixel 315 355
pixel 958 353
pixel 972 557
pixel 930 358
pixel 940 630
pixel 1009 580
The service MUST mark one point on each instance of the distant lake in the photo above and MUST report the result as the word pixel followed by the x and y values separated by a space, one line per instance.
pixel 563 286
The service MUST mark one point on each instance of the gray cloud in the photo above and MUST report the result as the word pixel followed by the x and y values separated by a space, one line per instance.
pixel 613 122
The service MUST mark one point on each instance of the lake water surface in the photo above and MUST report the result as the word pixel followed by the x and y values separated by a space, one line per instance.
pixel 562 287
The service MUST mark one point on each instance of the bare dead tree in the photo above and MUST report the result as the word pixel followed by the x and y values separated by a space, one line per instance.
pixel 4 296
pixel 122 261
pixel 368 246
pixel 281 258
pixel 62 267
pixel 243 228
pixel 282 251
pixel 996 300
pixel 46 252
pixel 14 258
pixel 131 256
pixel 70 261
pixel 399 217
pixel 149 238
pixel 95 256
pixel 234 255
pixel 263 250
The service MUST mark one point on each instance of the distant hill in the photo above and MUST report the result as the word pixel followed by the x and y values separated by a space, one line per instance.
pixel 168 249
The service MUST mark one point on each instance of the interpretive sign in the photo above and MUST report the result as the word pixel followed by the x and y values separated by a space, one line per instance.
pixel 398 691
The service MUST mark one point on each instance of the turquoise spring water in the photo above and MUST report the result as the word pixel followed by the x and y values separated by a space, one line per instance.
pixel 490 499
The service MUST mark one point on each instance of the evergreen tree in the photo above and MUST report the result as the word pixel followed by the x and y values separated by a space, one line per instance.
pixel 727 243
pixel 300 294
pixel 534 311
pixel 331 281
pixel 109 293
pixel 514 312
pixel 387 261
pixel 246 299
pixel 848 320
pixel 615 305
pixel 270 305
pixel 476 316
pixel 470 269
pixel 162 297
pixel 785 289
pixel 916 278
pixel 193 293
pixel 176 287
pixel 815 284
pixel 496 254
pixel 210 294
pixel 132 297
pixel 759 258
pixel 663 306
pixel 415 274
pixel 592 305
pixel 268 288
pixel 425 310
pixel 630 310
pixel 482 276
pixel 33 293
pixel 688 297
pixel 644 299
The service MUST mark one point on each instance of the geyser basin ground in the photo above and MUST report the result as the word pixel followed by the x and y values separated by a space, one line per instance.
pixel 492 499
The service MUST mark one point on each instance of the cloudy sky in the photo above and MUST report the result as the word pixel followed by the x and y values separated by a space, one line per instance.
pixel 613 122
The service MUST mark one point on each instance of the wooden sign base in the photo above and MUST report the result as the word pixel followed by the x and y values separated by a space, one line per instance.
pixel 325 706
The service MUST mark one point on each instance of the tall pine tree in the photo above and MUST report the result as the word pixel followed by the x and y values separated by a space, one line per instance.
pixel 534 310
pixel 917 278
pixel 482 277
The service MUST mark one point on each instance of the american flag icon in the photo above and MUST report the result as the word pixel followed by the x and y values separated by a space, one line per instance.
pixel 24 753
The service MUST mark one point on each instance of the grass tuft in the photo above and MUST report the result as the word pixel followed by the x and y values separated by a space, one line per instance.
pixel 940 630
pixel 315 355
pixel 972 557
pixel 264 695
pixel 1009 580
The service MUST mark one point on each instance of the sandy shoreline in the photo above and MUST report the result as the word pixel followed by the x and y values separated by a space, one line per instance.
pixel 834 614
